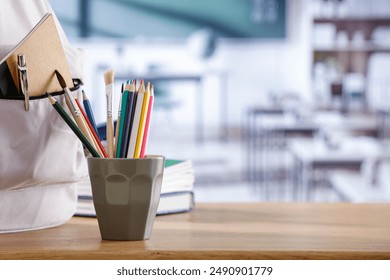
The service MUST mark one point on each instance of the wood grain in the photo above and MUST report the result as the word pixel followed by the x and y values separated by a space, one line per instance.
pixel 224 231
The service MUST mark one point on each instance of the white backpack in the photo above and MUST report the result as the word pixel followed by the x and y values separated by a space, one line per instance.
pixel 41 160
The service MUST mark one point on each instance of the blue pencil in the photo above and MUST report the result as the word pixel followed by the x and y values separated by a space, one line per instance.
pixel 88 111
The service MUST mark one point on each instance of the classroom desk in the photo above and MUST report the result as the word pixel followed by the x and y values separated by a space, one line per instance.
pixel 313 155
pixel 224 231
pixel 267 131
pixel 355 187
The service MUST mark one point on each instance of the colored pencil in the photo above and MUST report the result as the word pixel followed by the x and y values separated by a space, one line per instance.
pixel 123 106
pixel 129 116
pixel 147 124
pixel 73 126
pixel 142 122
pixel 100 148
pixel 109 82
pixel 136 120
pixel 89 111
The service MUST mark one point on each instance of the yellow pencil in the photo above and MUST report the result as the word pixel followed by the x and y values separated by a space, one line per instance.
pixel 142 122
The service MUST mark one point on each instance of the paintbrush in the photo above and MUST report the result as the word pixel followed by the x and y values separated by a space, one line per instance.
pixel 109 81
pixel 73 126
pixel 118 120
pixel 74 110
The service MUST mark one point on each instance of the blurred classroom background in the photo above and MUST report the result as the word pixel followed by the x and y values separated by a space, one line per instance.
pixel 272 100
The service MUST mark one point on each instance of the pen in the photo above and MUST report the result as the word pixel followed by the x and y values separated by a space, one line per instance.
pixel 23 80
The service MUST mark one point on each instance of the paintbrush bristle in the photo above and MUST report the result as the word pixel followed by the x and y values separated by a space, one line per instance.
pixel 60 79
pixel 109 77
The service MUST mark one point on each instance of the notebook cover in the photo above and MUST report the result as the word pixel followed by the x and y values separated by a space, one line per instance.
pixel 44 53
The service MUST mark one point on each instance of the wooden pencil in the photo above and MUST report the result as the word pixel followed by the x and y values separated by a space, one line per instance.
pixel 142 122
pixel 147 124
pixel 136 120
pixel 129 116
pixel 89 112
pixel 123 106
pixel 73 126
pixel 100 148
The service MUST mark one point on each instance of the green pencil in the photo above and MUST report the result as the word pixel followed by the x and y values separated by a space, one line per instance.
pixel 73 126
pixel 123 120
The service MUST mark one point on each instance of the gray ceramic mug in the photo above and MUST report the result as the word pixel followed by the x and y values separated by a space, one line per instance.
pixel 126 194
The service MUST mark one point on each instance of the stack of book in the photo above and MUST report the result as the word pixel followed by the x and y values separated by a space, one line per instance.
pixel 177 190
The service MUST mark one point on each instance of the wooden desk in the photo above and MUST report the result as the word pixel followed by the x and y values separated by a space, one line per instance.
pixel 224 231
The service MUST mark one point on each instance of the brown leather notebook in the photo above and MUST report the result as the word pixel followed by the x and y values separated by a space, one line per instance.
pixel 44 53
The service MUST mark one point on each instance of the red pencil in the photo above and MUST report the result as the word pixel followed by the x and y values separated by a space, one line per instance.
pixel 91 129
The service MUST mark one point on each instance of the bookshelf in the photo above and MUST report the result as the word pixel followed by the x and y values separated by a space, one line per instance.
pixel 345 46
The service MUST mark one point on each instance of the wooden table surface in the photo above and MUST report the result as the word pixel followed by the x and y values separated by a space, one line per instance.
pixel 224 231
